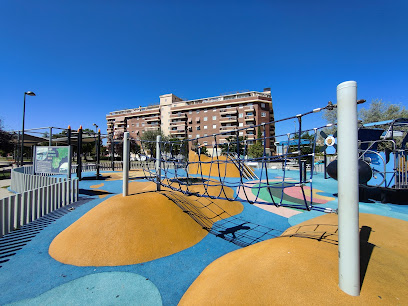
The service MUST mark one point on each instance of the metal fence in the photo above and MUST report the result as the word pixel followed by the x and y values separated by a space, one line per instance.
pixel 117 166
pixel 36 196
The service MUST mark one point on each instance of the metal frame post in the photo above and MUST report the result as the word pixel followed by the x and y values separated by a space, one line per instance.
pixel 158 163
pixel 98 153
pixel 70 151
pixel 347 168
pixel 50 137
pixel 79 152
pixel 126 157
pixel 112 153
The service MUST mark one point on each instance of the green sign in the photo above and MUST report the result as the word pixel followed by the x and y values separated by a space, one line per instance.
pixel 54 160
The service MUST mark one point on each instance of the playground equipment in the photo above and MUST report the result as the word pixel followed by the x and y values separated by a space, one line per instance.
pixel 245 150
pixel 383 166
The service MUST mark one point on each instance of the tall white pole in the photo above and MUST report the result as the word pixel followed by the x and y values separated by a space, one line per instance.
pixel 347 176
pixel 158 163
pixel 126 164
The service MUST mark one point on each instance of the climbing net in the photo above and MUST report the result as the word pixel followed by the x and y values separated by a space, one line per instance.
pixel 219 166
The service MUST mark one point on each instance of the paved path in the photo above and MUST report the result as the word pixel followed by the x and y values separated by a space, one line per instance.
pixel 4 191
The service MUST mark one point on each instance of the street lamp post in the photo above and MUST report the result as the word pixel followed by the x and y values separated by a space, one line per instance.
pixel 30 93
pixel 96 131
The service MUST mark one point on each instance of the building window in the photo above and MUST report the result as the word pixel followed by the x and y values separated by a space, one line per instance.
pixel 198 128
pixel 241 115
pixel 189 136
pixel 137 124
pixel 250 113
pixel 190 112
pixel 214 126
pixel 198 111
pixel 263 105
pixel 205 135
pixel 214 109
pixel 205 118
pixel 198 136
pixel 263 114
pixel 241 133
pixel 241 124
pixel 205 110
pixel 143 124
pixel 205 143
pixel 241 106
pixel 214 117
pixel 205 127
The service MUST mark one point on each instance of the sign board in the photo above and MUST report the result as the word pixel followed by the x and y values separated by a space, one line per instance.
pixel 53 160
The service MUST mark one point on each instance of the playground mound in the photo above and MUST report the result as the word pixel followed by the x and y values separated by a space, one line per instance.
pixel 114 176
pixel 142 227
pixel 301 267
pixel 222 166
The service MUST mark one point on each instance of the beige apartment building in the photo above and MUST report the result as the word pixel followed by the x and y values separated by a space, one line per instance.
pixel 199 118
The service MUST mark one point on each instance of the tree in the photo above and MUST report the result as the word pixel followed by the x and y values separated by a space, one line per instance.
pixel 134 147
pixel 6 146
pixel 376 111
pixel 231 145
pixel 305 149
pixel 256 150
pixel 148 140
pixel 381 111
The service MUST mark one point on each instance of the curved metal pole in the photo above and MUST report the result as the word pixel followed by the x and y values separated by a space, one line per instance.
pixel 22 136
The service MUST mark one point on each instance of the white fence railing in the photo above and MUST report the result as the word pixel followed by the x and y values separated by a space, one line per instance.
pixel 36 196
pixel 23 179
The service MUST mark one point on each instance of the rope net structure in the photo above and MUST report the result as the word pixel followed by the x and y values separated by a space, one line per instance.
pixel 225 160
pixel 221 162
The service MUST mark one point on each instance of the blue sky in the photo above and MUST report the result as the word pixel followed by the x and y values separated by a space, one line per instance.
pixel 84 59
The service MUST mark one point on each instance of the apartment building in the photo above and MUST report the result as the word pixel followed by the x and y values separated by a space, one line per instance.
pixel 199 118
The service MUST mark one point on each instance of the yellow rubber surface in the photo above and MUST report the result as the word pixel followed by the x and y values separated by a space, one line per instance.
pixel 304 271
pixel 114 176
pixel 220 167
pixel 128 230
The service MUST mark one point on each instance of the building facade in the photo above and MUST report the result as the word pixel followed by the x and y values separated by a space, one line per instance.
pixel 199 118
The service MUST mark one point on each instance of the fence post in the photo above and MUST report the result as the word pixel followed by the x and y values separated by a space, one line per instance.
pixel 125 188
pixel 347 168
pixel 158 163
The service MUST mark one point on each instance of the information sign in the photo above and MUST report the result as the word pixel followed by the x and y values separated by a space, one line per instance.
pixel 53 160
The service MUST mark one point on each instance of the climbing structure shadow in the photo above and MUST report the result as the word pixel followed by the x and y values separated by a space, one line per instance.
pixel 219 222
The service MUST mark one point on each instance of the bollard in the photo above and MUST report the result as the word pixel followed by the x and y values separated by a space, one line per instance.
pixel 347 169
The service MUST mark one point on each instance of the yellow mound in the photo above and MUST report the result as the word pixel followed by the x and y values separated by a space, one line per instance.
pixel 304 271
pixel 222 166
pixel 114 176
pixel 129 230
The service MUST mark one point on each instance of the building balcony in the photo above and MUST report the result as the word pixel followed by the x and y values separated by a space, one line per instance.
pixel 249 110
pixel 178 116
pixel 152 128
pixel 152 119
pixel 249 118
pixel 228 128
pixel 228 119
pixel 178 132
pixel 178 123
pixel 228 111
